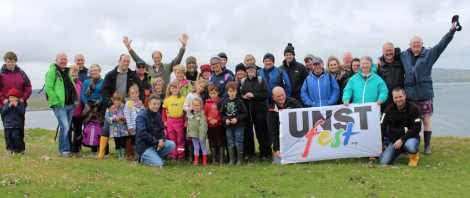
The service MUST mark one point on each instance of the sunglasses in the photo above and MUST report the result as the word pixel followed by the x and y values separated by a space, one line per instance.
pixel 140 66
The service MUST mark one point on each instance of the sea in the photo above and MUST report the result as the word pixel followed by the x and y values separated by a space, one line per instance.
pixel 451 111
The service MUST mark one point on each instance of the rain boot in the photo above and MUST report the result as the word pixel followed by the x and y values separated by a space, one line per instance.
pixel 118 153
pixel 414 158
pixel 213 153
pixel 103 144
pixel 221 153
pixel 240 157
pixel 123 154
pixel 231 155
pixel 204 160
pixel 129 155
pixel 196 160
pixel 191 152
pixel 427 142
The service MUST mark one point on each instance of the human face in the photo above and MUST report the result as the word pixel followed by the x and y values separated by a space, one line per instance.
pixel 10 64
pixel 206 74
pixel 309 64
pixel 365 66
pixel 157 58
pixel 13 99
pixel 140 69
pixel 347 58
pixel 289 57
pixel 240 74
pixel 355 66
pixel 232 93
pixel 268 63
pixel 251 71
pixel 224 62
pixel 74 74
pixel 94 72
pixel 399 98
pixel 249 59
pixel 214 94
pixel 80 61
pixel 117 103
pixel 388 52
pixel 134 95
pixel 416 45
pixel 158 87
pixel 179 75
pixel 192 67
pixel 61 60
pixel 196 106
pixel 333 66
pixel 124 62
pixel 279 96
pixel 174 91
pixel 317 68
pixel 216 67
pixel 154 105
pixel 201 87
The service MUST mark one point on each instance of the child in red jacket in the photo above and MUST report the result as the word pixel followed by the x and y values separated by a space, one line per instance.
pixel 216 130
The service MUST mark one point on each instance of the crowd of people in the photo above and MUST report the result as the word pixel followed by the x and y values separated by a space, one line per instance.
pixel 152 119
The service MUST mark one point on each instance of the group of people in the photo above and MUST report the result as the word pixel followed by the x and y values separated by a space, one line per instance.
pixel 150 117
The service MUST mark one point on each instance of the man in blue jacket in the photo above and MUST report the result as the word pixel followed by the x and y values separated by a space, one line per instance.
pixel 320 87
pixel 274 76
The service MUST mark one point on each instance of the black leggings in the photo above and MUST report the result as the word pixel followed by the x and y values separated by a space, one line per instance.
pixel 120 142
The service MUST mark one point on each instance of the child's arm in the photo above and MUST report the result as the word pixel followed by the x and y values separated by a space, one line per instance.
pixel 20 108
pixel 6 108
pixel 186 102
pixel 110 118
pixel 202 128
pixel 128 115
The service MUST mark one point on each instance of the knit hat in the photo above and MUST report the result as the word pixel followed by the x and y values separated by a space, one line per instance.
pixel 191 59
pixel 205 68
pixel 240 66
pixel 251 64
pixel 309 56
pixel 14 92
pixel 289 48
pixel 217 59
pixel 222 55
pixel 268 55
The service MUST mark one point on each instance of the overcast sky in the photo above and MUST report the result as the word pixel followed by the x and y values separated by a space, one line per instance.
pixel 37 30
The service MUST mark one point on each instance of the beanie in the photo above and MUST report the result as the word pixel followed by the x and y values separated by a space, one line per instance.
pixel 13 92
pixel 222 55
pixel 289 48
pixel 240 66
pixel 268 55
pixel 191 59
pixel 217 59
pixel 205 68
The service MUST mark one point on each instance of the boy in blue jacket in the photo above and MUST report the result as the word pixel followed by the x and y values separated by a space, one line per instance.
pixel 14 117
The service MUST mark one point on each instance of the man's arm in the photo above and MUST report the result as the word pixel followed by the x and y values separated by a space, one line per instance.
pixel 287 86
pixel 273 129
pixel 179 57
pixel 105 89
pixel 414 126
pixel 437 50
pixel 384 123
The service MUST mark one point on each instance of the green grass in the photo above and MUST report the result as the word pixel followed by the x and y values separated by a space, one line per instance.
pixel 442 174
pixel 37 103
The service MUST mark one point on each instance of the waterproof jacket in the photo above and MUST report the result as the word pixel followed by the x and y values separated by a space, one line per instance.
pixel 220 81
pixel 320 91
pixel 393 75
pixel 273 119
pixel 401 124
pixel 109 85
pixel 274 79
pixel 297 73
pixel 55 89
pixel 14 116
pixel 93 95
pixel 149 130
pixel 259 90
pixel 186 87
pixel 16 79
pixel 418 81
pixel 165 69
pixel 83 74
pixel 233 109
pixel 197 125
pixel 78 110
pixel 362 91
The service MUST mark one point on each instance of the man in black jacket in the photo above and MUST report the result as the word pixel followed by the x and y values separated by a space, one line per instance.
pixel 281 102
pixel 391 71
pixel 117 80
pixel 296 71
pixel 403 122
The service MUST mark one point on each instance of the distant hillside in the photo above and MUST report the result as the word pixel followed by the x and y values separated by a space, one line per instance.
pixel 450 75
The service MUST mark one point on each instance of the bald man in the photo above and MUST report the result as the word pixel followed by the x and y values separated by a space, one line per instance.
pixel 62 97
pixel 83 72
pixel 280 102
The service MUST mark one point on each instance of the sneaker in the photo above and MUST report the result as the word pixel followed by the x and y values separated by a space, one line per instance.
pixel 65 155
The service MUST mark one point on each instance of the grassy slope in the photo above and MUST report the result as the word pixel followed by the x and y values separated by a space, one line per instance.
pixel 443 174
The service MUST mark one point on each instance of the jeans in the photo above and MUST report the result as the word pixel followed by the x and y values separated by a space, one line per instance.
pixel 277 160
pixel 152 157
pixel 390 154
pixel 64 117
pixel 235 137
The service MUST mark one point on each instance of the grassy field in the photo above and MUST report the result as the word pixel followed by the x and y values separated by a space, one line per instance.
pixel 41 173
pixel 37 103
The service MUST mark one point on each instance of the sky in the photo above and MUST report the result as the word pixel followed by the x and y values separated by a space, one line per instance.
pixel 37 30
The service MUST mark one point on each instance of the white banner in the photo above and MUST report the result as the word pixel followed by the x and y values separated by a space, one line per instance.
pixel 333 132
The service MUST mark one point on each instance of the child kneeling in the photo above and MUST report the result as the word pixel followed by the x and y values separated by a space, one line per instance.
pixel 197 130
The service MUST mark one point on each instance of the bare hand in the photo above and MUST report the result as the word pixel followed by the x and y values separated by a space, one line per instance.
pixel 112 109
pixel 234 121
pixel 452 27
pixel 131 130
pixel 184 40
pixel 214 109
pixel 21 100
pixel 139 104
pixel 227 122
pixel 346 103
pixel 11 104
pixel 161 144
pixel 213 121
pixel 249 95
pixel 164 124
pixel 379 102
pixel 15 103
pixel 398 144
pixel 5 101
pixel 127 43
pixel 278 154
pixel 378 63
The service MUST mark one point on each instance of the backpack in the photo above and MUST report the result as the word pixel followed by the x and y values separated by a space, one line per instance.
pixel 130 104
pixel 280 81
pixel 90 136
pixel 243 81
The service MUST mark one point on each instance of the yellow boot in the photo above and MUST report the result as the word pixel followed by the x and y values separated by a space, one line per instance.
pixel 414 158
pixel 103 143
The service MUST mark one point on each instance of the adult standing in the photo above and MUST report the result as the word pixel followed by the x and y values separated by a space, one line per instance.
pixel 309 62
pixel 159 69
pixel 281 101
pixel 120 79
pixel 220 78
pixel 240 71
pixel 62 97
pixel 391 71
pixel 320 87
pixel 254 91
pixel 347 60
pixel 83 72
pixel 13 77
pixel 402 122
pixel 145 80
pixel 191 65
pixel 334 67
pixel 355 65
pixel 418 62
pixel 274 76
pixel 296 71
pixel 223 57
pixel 250 59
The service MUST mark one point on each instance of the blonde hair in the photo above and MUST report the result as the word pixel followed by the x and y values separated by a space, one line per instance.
pixel 134 87
pixel 173 84
pixel 158 80
pixel 92 82
pixel 198 100
pixel 95 65
pixel 333 58
pixel 74 68
pixel 180 68
pixel 206 83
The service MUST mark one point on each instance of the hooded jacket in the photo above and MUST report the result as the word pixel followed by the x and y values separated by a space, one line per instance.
pixel 233 109
pixel 320 91
pixel 16 79
pixel 93 95
pixel 149 130
pixel 273 74
pixel 418 81
pixel 273 119
pixel 55 89
pixel 220 81
pixel 401 124
pixel 197 125
pixel 14 116
pixel 259 90
pixel 109 85
pixel 207 111
pixel 363 91
pixel 297 73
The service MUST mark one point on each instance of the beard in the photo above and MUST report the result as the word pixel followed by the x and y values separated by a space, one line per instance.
pixel 191 71
pixel 389 57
